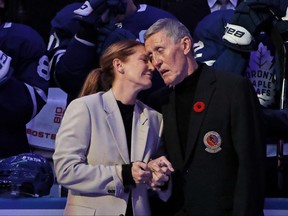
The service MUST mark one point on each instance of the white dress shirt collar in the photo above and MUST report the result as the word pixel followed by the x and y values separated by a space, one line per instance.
pixel 213 4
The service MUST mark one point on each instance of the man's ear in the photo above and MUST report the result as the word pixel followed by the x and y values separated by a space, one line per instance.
pixel 187 44
pixel 117 64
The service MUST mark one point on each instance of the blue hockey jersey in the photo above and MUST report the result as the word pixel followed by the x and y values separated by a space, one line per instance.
pixel 23 94
pixel 71 60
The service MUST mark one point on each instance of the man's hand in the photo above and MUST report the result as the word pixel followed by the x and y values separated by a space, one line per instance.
pixel 161 169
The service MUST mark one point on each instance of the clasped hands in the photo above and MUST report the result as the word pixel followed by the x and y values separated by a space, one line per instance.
pixel 154 174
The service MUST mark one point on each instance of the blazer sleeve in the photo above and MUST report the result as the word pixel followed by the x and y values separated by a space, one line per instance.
pixel 248 139
pixel 70 156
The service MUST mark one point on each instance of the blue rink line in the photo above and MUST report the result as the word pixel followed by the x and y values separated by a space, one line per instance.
pixel 273 206
pixel 32 203
pixel 276 203
pixel 276 207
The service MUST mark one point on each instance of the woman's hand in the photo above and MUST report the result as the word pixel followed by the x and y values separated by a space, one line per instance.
pixel 141 173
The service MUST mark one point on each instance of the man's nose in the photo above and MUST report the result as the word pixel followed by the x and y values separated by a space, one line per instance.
pixel 156 61
pixel 151 66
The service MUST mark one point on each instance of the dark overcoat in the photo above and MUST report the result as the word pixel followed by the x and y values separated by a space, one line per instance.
pixel 222 169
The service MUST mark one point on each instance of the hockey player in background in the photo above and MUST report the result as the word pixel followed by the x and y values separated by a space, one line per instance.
pixel 24 80
pixel 75 46
pixel 183 10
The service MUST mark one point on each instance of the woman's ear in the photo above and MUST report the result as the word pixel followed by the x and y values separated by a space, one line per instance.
pixel 186 43
pixel 117 64
pixel 121 70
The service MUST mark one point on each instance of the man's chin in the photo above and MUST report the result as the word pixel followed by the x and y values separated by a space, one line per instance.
pixel 168 82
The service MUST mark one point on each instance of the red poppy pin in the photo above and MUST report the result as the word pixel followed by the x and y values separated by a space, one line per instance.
pixel 199 106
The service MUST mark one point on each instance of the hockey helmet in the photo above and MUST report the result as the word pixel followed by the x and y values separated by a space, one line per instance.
pixel 25 175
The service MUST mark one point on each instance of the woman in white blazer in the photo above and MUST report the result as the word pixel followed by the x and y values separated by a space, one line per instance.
pixel 106 140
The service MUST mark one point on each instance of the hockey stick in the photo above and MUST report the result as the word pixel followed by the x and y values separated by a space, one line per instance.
pixel 280 44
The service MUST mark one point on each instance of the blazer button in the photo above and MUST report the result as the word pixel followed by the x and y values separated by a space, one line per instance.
pixel 111 191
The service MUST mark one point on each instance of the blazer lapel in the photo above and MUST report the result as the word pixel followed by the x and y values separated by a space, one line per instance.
pixel 204 92
pixel 115 123
pixel 173 146
pixel 139 133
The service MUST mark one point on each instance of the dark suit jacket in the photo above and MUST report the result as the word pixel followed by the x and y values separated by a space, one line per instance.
pixel 230 181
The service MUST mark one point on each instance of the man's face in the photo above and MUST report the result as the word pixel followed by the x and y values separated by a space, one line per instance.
pixel 168 57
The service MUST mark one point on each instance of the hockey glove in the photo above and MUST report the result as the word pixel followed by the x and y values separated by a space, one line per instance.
pixel 103 33
pixel 246 24
pixel 282 26
pixel 5 70
pixel 91 11
pixel 90 21
pixel 89 15
pixel 88 33
pixel 110 34
pixel 277 6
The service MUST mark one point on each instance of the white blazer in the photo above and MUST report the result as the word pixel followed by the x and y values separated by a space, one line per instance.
pixel 90 149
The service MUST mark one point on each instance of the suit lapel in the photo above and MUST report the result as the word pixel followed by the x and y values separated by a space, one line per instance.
pixel 173 146
pixel 139 133
pixel 115 123
pixel 204 92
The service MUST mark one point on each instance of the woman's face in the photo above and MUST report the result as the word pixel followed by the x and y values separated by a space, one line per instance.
pixel 138 70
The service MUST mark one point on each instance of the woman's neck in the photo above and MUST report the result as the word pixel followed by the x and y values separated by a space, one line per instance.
pixel 127 97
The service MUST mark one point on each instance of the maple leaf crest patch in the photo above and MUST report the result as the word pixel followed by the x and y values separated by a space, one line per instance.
pixel 261 73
